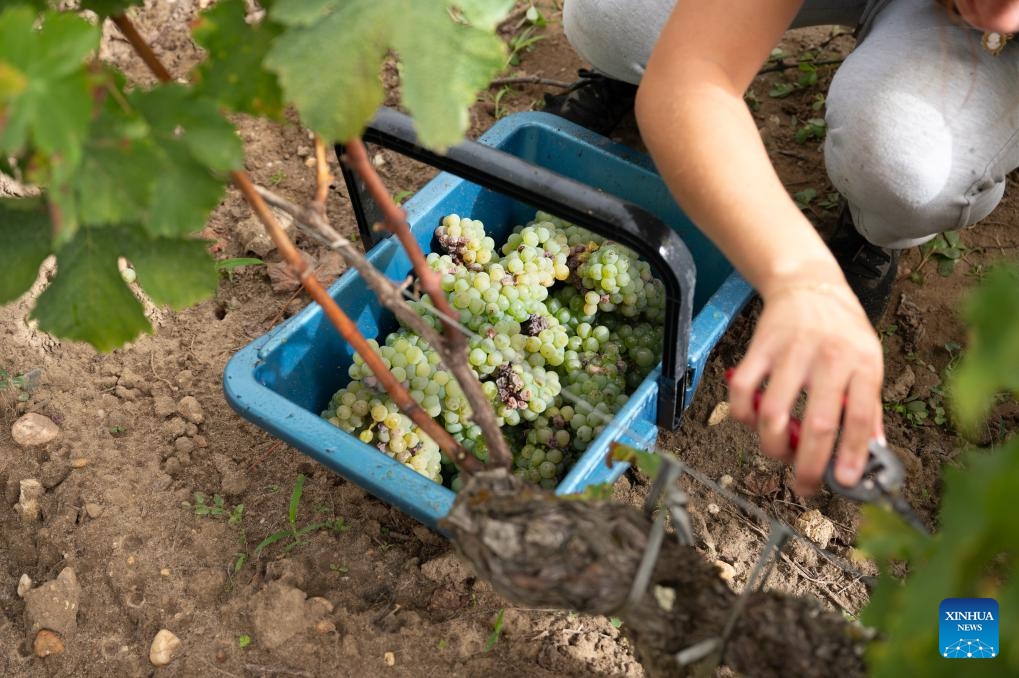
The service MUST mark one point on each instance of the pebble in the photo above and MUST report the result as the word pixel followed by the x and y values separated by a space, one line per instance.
pixel 28 500
pixel 93 510
pixel 34 429
pixel 164 646
pixel 46 643
pixel 816 527
pixel 719 414
pixel 726 571
pixel 24 585
pixel 713 509
pixel 191 409
pixel 79 462
pixel 389 658
pixel 253 238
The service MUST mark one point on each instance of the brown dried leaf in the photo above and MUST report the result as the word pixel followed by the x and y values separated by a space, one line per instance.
pixel 762 482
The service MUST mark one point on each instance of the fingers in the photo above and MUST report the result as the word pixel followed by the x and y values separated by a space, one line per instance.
pixel 820 427
pixel 771 415
pixel 842 372
pixel 861 422
pixel 784 386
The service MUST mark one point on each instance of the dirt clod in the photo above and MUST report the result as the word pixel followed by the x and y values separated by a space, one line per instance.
pixel 54 606
pixel 163 406
pixel 191 409
pixel 277 614
pixel 898 389
pixel 447 568
pixel 816 527
pixel 33 430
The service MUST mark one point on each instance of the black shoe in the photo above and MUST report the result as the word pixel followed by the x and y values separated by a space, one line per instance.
pixel 594 101
pixel 870 270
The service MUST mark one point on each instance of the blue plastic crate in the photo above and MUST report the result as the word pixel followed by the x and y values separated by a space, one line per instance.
pixel 284 379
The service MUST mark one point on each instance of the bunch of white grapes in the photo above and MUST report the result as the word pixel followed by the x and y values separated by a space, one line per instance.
pixel 562 325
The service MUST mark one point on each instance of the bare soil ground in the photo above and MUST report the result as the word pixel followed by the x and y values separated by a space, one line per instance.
pixel 146 427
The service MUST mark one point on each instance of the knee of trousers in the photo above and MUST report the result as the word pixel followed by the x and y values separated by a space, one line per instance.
pixel 615 37
pixel 897 162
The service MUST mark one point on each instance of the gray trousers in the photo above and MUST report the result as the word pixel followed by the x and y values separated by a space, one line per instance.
pixel 923 123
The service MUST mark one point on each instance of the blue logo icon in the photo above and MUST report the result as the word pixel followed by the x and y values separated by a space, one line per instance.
pixel 968 628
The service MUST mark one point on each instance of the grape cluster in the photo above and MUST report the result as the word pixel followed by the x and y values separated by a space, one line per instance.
pixel 563 324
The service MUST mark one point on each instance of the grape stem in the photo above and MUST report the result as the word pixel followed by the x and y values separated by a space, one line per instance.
pixel 452 346
pixel 466 461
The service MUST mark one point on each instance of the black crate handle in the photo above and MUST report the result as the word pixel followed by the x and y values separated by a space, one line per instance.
pixel 573 201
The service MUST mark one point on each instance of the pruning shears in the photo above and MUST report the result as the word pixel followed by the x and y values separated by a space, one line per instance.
pixel 883 476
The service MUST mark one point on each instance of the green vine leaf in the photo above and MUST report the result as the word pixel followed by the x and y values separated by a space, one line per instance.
pixel 178 117
pixel 991 364
pixel 44 91
pixel 160 162
pixel 25 242
pixel 233 74
pixel 962 561
pixel 484 13
pixel 87 299
pixel 174 272
pixel 444 62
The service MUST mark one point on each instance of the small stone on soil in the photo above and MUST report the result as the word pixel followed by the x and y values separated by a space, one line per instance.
pixel 93 510
pixel 719 414
pixel 34 429
pixel 164 646
pixel 28 500
pixel 389 658
pixel 24 585
pixel 816 527
pixel 46 643
pixel 725 570
pixel 79 462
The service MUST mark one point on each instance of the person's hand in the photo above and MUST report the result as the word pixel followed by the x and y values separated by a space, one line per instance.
pixel 990 15
pixel 814 337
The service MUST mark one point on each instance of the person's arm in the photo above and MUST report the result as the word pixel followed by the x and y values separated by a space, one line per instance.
pixel 812 334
